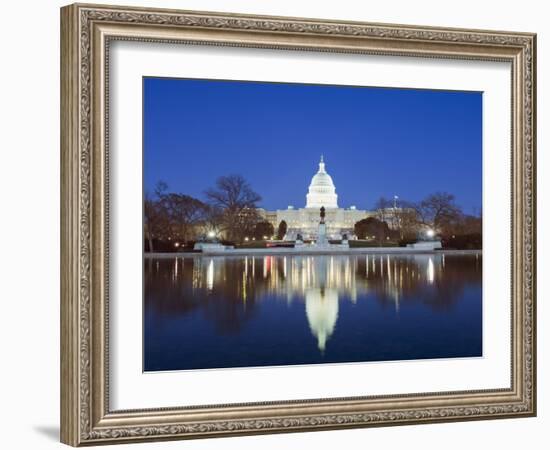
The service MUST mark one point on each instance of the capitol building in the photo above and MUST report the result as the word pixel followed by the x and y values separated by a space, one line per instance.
pixel 305 221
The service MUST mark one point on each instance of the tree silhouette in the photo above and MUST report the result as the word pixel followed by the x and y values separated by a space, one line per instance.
pixel 234 196
pixel 371 226
pixel 262 229
pixel 281 231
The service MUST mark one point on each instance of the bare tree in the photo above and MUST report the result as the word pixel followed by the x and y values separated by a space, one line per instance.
pixel 160 189
pixel 408 221
pixel 401 216
pixel 150 218
pixel 438 211
pixel 382 208
pixel 156 222
pixel 245 223
pixel 184 213
pixel 155 216
pixel 235 197
pixel 213 220
pixel 170 216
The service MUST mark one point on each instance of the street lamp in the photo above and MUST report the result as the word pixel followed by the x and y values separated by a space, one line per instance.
pixel 211 234
pixel 430 233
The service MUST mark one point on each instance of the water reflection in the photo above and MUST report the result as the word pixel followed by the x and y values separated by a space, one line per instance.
pixel 255 301
pixel 322 313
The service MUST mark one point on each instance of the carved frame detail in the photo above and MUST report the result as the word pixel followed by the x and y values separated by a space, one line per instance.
pixel 86 32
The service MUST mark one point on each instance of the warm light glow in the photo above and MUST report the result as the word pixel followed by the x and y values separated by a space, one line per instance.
pixel 210 275
pixel 430 233
pixel 246 239
pixel 211 234
pixel 430 272
pixel 176 244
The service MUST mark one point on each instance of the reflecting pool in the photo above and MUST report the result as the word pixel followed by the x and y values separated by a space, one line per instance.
pixel 214 312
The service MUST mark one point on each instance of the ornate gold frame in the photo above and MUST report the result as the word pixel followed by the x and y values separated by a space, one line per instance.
pixel 86 31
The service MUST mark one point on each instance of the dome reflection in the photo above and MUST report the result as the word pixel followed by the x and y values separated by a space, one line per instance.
pixel 229 290
pixel 322 313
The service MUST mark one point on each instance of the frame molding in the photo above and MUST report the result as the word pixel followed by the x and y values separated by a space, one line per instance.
pixel 86 31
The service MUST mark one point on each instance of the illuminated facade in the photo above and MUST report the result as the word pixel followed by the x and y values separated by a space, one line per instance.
pixel 305 221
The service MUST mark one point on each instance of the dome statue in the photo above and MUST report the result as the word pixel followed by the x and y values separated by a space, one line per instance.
pixel 322 191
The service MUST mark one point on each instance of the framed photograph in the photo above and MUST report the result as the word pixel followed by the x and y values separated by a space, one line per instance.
pixel 276 224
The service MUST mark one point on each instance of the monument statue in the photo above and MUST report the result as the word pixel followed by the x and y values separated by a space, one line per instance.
pixel 322 240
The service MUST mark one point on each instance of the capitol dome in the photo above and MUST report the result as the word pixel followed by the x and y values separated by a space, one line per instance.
pixel 322 191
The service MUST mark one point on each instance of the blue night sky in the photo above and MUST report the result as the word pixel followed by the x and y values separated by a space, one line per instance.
pixel 375 141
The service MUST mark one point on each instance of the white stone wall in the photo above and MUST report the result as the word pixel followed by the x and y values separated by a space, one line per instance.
pixel 305 221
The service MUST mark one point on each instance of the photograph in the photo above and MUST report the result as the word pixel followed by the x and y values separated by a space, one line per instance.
pixel 294 224
pixel 273 221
